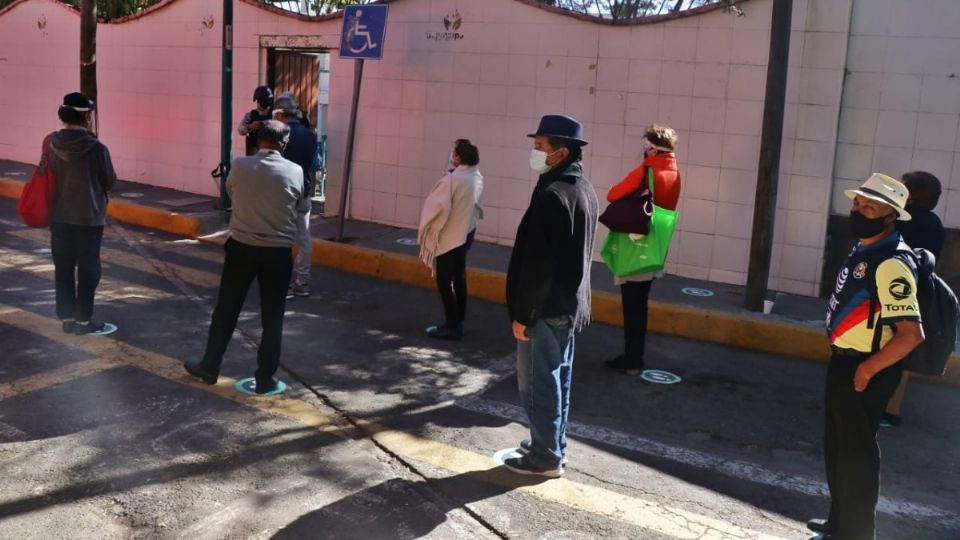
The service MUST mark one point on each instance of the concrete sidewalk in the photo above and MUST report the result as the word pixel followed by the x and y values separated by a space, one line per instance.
pixel 695 309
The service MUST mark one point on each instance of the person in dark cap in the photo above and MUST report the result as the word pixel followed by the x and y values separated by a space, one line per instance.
pixel 548 290
pixel 254 119
pixel 84 175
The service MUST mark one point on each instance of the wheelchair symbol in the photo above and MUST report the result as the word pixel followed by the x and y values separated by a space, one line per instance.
pixel 357 30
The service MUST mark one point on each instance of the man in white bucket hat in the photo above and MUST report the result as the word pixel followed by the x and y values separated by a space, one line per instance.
pixel 873 321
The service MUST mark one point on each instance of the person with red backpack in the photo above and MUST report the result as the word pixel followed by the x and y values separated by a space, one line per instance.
pixel 84 175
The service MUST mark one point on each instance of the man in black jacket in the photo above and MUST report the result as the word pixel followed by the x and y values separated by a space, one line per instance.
pixel 548 290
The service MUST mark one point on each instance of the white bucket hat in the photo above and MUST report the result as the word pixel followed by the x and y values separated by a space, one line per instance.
pixel 882 188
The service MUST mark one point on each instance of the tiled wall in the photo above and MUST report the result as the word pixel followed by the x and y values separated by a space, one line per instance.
pixel 703 75
pixel 509 64
pixel 901 98
pixel 158 83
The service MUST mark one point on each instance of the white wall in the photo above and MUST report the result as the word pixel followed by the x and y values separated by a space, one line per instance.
pixel 901 98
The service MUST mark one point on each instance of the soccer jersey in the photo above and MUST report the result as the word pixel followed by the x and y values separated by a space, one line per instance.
pixel 868 269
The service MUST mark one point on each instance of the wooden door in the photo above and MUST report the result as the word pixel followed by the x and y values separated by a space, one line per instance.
pixel 299 73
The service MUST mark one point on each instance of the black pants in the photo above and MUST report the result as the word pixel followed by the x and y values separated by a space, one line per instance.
pixel 850 446
pixel 76 261
pixel 272 268
pixel 634 296
pixel 452 284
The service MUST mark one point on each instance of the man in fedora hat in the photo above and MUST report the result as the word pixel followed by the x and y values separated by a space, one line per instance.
pixel 548 289
pixel 873 321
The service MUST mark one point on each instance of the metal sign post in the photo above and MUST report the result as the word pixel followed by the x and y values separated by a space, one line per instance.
pixel 226 105
pixel 361 38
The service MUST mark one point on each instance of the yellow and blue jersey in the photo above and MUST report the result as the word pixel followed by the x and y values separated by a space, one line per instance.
pixel 874 291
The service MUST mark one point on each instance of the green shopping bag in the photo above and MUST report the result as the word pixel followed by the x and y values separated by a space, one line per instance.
pixel 627 254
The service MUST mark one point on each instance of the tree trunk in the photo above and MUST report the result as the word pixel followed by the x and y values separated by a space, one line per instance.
pixel 88 48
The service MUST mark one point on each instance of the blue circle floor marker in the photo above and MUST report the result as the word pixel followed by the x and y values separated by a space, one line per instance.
pixel 248 386
pixel 657 376
pixel 505 454
pixel 108 328
pixel 694 291
pixel 407 241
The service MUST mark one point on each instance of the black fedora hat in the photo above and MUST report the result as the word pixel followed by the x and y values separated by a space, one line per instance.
pixel 561 127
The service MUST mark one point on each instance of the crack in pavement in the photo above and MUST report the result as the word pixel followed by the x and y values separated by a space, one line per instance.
pixel 340 416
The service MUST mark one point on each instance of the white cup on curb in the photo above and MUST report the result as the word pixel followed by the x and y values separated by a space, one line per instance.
pixel 767 306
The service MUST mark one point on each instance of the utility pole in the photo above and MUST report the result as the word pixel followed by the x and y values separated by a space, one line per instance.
pixel 88 51
pixel 226 104
pixel 771 139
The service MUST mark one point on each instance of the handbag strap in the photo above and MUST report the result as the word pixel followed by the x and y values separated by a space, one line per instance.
pixel 650 184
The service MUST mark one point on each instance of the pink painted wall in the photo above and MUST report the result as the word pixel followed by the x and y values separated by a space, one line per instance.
pixel 158 81
pixel 703 74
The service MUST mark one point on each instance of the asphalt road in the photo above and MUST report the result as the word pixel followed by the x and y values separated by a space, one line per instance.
pixel 385 433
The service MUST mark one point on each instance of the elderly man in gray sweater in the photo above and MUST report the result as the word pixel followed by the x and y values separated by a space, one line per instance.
pixel 267 194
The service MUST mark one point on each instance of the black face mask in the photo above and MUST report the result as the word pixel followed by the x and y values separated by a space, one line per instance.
pixel 864 227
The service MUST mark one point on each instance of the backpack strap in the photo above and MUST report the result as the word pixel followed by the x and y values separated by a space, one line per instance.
pixel 902 253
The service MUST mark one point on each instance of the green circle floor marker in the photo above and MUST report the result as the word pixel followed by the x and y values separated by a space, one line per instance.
pixel 657 376
pixel 249 385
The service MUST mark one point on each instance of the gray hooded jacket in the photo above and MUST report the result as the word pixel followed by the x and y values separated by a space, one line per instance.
pixel 84 173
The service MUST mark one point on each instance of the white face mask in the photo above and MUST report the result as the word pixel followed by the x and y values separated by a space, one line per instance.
pixel 538 161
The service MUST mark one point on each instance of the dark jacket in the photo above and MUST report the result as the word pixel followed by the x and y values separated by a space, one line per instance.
pixel 84 173
pixel 924 230
pixel 549 272
pixel 302 150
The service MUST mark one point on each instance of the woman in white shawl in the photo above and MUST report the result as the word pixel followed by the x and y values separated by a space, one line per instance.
pixel 448 223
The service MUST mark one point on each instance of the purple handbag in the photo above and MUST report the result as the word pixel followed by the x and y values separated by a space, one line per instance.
pixel 631 214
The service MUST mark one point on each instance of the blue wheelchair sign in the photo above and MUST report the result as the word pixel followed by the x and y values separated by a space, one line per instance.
pixel 364 28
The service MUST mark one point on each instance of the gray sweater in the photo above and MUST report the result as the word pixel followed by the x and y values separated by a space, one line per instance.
pixel 267 194
pixel 84 174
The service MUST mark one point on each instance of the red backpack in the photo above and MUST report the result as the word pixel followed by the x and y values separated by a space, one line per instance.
pixel 36 200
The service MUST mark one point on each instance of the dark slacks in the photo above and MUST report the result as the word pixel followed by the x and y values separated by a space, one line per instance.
pixel 634 296
pixel 77 271
pixel 451 276
pixel 850 447
pixel 272 267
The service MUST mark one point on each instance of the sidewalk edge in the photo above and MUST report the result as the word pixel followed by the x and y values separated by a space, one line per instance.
pixel 742 331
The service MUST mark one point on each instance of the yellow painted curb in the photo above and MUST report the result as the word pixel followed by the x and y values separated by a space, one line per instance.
pixel 126 212
pixel 11 188
pixel 153 218
pixel 743 331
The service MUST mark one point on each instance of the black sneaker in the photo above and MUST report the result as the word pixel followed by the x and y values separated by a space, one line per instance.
pixel 890 420
pixel 522 465
pixel 93 328
pixel 821 526
pixel 444 332
pixel 265 387
pixel 620 364
pixel 526 446
pixel 68 326
pixel 298 291
pixel 194 368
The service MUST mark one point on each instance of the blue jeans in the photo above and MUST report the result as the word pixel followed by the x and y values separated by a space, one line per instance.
pixel 544 373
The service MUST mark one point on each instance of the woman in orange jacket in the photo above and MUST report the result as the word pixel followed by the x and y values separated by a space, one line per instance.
pixel 659 144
